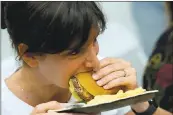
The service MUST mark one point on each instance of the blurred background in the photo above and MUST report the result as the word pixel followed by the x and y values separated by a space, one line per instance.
pixel 132 29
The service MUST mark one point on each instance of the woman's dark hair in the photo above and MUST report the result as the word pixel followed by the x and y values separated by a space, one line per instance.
pixel 51 27
pixel 3 25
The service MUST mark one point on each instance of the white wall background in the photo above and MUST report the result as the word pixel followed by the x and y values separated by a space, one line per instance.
pixel 6 49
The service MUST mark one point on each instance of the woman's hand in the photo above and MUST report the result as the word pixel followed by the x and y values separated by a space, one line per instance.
pixel 115 72
pixel 42 109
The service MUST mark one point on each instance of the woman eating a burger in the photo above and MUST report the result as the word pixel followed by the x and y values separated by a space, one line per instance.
pixel 56 41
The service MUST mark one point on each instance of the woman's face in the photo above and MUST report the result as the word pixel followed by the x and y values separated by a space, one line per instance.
pixel 58 68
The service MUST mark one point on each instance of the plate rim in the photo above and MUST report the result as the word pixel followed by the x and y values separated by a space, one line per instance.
pixel 145 93
pixel 93 105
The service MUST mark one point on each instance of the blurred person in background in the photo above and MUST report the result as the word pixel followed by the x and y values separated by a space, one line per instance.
pixel 159 71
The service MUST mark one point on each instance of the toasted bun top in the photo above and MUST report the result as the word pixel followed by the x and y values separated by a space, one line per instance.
pixel 86 80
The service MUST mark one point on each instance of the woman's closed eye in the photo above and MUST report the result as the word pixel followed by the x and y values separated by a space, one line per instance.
pixel 73 53
pixel 79 51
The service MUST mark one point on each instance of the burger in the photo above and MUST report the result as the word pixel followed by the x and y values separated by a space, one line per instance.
pixel 84 88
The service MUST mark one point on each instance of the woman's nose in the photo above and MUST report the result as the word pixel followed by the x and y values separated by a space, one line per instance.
pixel 92 62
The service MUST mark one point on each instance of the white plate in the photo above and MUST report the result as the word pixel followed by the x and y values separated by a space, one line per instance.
pixel 82 108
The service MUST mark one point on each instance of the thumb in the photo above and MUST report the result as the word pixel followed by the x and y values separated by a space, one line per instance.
pixel 59 106
pixel 44 107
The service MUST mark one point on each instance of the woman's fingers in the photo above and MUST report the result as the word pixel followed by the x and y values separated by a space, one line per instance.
pixel 44 107
pixel 110 77
pixel 122 81
pixel 108 61
pixel 109 69
pixel 129 80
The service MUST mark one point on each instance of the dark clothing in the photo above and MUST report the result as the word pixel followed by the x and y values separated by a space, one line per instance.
pixel 159 72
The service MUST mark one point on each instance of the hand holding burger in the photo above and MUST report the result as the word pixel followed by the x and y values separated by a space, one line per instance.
pixel 112 76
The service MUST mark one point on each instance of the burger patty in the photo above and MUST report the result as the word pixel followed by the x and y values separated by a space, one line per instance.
pixel 82 92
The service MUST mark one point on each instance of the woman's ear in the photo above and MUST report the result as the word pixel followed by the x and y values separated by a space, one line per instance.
pixel 28 58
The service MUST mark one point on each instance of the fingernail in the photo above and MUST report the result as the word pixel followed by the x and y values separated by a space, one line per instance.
pixel 99 83
pixel 94 76
pixel 105 87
